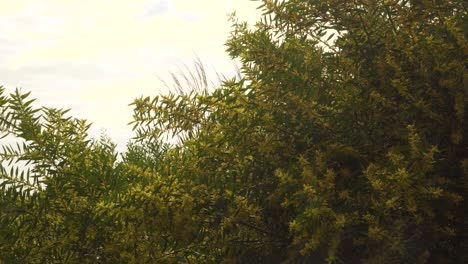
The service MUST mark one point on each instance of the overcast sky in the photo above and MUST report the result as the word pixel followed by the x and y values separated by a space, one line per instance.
pixel 95 56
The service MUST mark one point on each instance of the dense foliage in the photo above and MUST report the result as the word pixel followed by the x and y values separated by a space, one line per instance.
pixel 343 142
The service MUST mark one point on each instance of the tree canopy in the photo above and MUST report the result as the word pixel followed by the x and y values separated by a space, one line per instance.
pixel 344 141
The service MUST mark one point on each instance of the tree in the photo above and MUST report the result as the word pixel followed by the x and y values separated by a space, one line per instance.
pixel 345 137
pixel 343 142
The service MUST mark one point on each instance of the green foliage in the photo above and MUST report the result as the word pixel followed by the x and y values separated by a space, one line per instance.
pixel 342 142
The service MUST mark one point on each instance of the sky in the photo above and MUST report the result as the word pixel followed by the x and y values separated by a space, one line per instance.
pixel 96 56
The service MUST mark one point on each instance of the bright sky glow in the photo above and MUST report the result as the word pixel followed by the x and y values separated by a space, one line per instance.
pixel 95 56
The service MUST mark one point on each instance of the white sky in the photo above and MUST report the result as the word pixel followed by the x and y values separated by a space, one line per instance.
pixel 96 56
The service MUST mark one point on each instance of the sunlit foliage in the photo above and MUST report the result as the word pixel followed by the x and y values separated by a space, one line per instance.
pixel 344 141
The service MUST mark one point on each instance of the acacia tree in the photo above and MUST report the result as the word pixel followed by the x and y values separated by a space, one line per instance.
pixel 65 197
pixel 345 138
pixel 55 179
pixel 344 141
